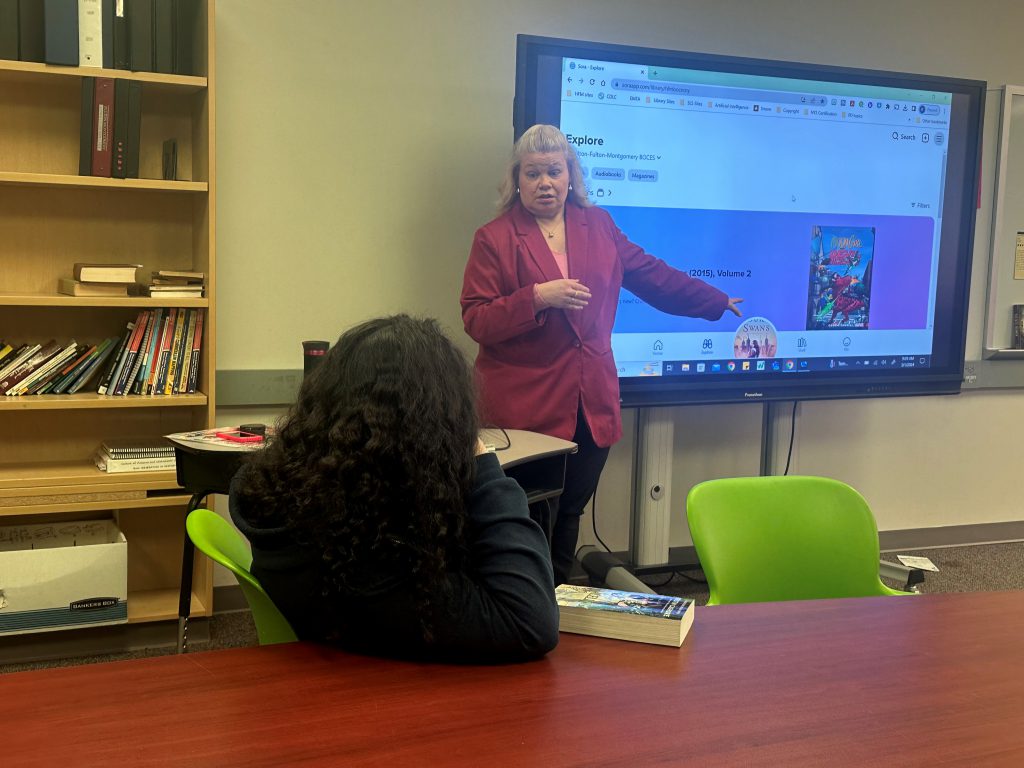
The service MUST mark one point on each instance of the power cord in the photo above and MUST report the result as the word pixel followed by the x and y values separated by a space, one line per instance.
pixel 672 575
pixel 593 519
pixel 495 447
pixel 792 433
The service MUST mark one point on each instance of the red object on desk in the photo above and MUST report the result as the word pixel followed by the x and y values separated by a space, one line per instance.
pixel 241 437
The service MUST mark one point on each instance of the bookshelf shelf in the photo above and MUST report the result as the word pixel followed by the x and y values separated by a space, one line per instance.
pixel 59 300
pixel 50 218
pixel 161 605
pixel 26 71
pixel 91 400
pixel 85 506
pixel 57 477
pixel 87 182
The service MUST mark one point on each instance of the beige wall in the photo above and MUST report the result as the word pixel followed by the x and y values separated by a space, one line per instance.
pixel 359 146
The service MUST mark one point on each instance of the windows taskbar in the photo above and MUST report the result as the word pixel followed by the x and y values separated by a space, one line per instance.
pixel 774 364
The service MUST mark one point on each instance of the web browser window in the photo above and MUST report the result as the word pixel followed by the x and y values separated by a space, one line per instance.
pixel 820 204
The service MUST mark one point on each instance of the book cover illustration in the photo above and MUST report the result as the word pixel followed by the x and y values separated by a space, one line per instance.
pixel 615 601
pixel 840 278
pixel 755 338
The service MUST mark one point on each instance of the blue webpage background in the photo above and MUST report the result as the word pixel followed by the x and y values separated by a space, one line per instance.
pixel 775 247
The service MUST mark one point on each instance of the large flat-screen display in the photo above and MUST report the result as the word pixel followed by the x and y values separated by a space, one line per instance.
pixel 838 203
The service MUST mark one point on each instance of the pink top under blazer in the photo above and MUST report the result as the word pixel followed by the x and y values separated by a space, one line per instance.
pixel 536 371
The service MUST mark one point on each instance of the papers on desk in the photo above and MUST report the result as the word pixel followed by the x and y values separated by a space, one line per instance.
pixel 211 440
pixel 918 562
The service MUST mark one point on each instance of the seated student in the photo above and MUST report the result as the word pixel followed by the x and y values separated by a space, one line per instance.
pixel 379 522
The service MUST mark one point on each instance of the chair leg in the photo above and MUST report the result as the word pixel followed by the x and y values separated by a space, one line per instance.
pixel 187 559
pixel 185 595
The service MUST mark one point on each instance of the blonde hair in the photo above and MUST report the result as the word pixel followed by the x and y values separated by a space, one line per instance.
pixel 541 139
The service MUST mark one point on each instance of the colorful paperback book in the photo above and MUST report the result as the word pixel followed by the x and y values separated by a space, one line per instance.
pixel 839 295
pixel 37 357
pixel 152 344
pixel 43 369
pixel 633 616
pixel 197 344
pixel 94 366
pixel 69 372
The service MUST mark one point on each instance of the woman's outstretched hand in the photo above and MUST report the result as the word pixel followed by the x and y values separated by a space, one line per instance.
pixel 731 306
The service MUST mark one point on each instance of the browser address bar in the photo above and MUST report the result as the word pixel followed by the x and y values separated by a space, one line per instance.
pixel 744 94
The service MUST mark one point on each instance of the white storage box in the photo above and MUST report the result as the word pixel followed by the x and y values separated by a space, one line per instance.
pixel 62 575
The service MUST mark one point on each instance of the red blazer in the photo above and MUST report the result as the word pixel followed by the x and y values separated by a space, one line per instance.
pixel 535 371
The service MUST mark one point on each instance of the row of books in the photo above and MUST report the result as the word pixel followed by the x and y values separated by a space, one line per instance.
pixel 137 35
pixel 49 368
pixel 110 128
pixel 157 355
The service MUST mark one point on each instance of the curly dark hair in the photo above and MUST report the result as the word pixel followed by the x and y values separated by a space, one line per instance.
pixel 373 464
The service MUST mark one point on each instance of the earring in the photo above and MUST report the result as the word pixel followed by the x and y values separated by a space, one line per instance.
pixel 517 190
pixel 570 187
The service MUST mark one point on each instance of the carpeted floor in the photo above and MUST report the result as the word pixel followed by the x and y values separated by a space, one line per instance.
pixel 981 568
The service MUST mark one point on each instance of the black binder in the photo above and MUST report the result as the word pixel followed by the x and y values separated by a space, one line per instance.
pixel 133 133
pixel 31 31
pixel 186 24
pixel 140 34
pixel 107 11
pixel 122 53
pixel 119 146
pixel 9 29
pixel 163 36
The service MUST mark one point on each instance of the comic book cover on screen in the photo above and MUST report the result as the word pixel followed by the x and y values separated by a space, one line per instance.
pixel 839 296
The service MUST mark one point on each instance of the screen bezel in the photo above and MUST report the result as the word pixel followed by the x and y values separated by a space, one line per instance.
pixel 944 376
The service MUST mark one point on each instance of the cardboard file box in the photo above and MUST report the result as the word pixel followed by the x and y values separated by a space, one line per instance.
pixel 62 575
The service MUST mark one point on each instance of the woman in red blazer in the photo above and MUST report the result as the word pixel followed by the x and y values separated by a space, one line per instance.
pixel 539 296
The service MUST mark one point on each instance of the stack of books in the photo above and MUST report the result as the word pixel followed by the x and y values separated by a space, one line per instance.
pixel 168 283
pixel 158 354
pixel 51 368
pixel 141 454
pixel 99 280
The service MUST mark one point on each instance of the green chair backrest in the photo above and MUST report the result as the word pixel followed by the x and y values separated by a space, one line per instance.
pixel 217 539
pixel 784 538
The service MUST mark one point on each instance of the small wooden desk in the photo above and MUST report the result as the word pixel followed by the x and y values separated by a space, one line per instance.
pixel 922 681
pixel 535 461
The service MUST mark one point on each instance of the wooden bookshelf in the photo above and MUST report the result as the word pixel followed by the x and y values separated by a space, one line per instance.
pixel 50 218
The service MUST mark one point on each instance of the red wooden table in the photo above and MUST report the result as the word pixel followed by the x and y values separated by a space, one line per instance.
pixel 930 680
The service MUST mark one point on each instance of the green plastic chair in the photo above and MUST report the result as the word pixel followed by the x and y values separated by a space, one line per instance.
pixel 762 539
pixel 217 539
